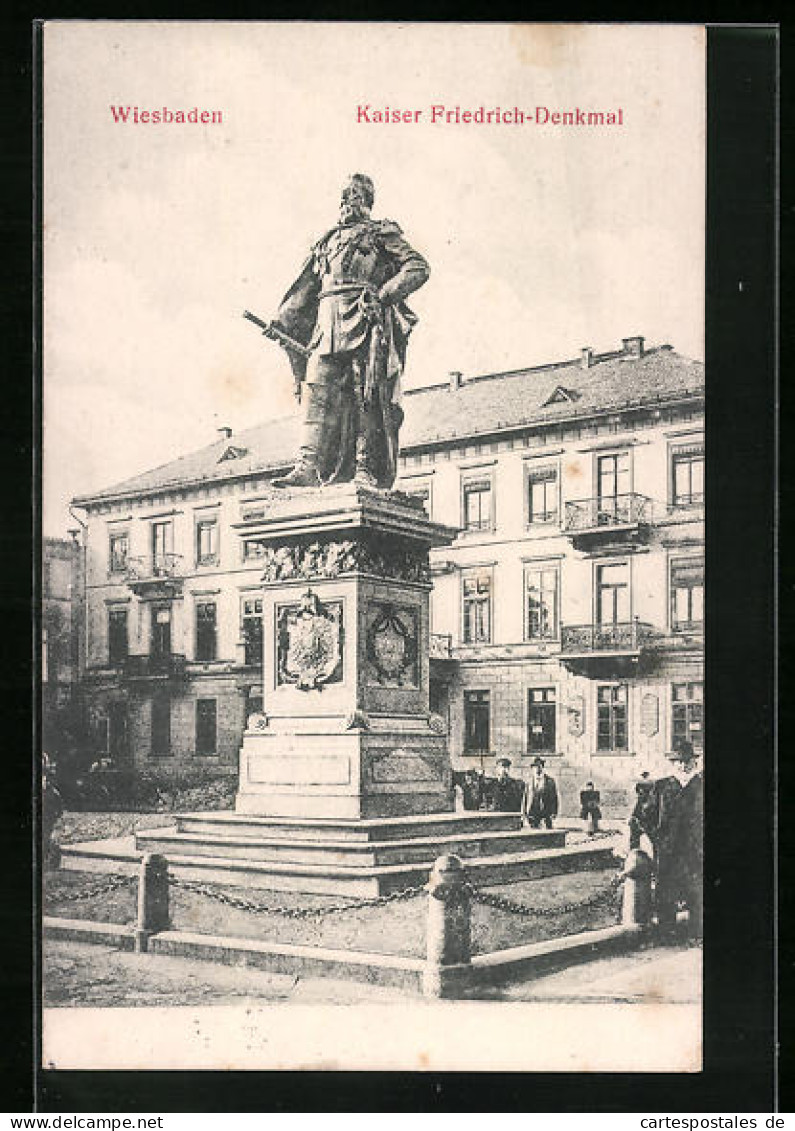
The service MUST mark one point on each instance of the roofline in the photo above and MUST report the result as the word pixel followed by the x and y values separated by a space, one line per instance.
pixel 556 418
pixel 548 367
pixel 85 502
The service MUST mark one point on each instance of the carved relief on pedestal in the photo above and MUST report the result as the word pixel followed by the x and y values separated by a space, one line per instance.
pixel 649 715
pixel 309 644
pixel 392 645
pixel 576 710
pixel 383 557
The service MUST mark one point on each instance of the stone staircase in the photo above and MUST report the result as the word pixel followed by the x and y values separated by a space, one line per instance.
pixel 336 856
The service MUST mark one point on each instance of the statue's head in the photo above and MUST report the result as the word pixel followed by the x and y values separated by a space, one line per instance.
pixel 357 198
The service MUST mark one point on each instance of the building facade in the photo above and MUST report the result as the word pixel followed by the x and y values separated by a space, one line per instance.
pixel 567 617
pixel 62 593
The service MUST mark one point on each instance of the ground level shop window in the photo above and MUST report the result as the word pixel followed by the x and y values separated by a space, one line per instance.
pixel 161 726
pixel 541 712
pixel 611 701
pixel 206 727
pixel 477 722
pixel 687 722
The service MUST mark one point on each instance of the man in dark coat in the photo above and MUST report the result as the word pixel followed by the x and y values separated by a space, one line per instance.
pixel 542 797
pixel 51 810
pixel 643 818
pixel 507 793
pixel 589 808
pixel 679 842
pixel 347 307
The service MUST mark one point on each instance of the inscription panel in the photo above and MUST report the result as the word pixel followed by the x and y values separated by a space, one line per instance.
pixel 403 766
pixel 299 769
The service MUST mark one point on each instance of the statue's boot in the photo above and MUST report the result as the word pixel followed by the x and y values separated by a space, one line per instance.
pixel 305 473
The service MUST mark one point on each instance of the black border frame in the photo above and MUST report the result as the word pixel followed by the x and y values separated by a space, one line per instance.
pixel 741 898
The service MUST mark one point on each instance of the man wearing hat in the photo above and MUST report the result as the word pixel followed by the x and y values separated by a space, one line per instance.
pixel 542 797
pixel 643 819
pixel 507 793
pixel 679 841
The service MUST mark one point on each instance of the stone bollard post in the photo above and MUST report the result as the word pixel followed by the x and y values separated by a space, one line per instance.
pixel 153 910
pixel 449 926
pixel 636 909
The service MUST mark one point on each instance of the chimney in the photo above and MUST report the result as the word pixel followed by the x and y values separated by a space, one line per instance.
pixel 225 432
pixel 633 347
pixel 587 357
pixel 456 379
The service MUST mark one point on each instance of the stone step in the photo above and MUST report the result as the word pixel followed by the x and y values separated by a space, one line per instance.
pixel 347 853
pixel 358 830
pixel 121 855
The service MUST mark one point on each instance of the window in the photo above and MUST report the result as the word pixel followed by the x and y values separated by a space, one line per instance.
pixel 477 722
pixel 687 722
pixel 118 644
pixel 206 728
pixel 611 733
pixel 117 732
pixel 476 589
pixel 162 546
pixel 207 541
pixel 612 594
pixel 253 550
pixel 541 598
pixel 612 485
pixel 119 549
pixel 541 720
pixel 161 725
pixel 687 595
pixel 161 630
pixel 477 505
pixel 251 629
pixel 542 495
pixel 687 476
pixel 205 630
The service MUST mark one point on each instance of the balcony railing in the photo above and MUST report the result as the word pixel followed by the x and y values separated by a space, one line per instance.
pixel 169 664
pixel 440 646
pixel 154 567
pixel 688 627
pixel 586 516
pixel 591 639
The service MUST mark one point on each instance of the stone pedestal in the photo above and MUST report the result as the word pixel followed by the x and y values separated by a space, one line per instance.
pixel 345 730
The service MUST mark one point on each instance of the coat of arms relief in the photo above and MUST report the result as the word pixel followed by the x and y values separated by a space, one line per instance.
pixel 310 643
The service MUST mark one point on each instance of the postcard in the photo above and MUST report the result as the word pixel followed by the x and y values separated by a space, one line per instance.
pixel 373 557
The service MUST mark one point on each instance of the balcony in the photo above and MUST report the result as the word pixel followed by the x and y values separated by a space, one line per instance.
pixel 614 518
pixel 169 665
pixel 603 650
pixel 156 576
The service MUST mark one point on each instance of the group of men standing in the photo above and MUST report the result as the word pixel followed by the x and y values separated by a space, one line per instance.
pixel 668 812
pixel 536 800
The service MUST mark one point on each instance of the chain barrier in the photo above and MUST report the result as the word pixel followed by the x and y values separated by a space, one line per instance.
pixel 501 903
pixel 240 903
pixel 113 883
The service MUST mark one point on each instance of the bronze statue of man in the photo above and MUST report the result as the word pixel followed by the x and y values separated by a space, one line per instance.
pixel 347 307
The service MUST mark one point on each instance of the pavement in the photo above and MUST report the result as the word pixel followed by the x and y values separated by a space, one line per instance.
pixel 83 974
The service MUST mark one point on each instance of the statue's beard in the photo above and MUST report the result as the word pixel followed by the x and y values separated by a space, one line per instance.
pixel 351 212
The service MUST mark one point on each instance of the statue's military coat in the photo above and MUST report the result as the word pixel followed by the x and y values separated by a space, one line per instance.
pixel 323 310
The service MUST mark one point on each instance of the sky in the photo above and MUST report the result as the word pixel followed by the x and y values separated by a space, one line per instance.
pixel 541 239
